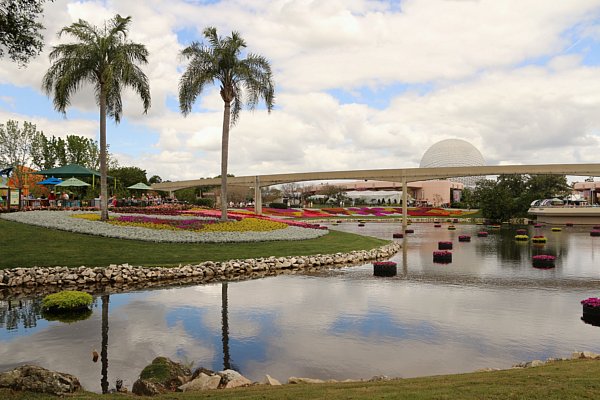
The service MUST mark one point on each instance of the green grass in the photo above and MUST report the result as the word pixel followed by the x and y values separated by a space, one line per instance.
pixel 579 379
pixel 28 246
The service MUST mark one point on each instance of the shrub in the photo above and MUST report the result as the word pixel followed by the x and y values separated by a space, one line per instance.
pixel 67 300
pixel 204 202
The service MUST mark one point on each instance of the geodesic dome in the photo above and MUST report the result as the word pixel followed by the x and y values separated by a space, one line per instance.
pixel 454 153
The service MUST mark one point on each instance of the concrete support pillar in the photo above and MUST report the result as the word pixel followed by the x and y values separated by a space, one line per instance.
pixel 257 196
pixel 404 206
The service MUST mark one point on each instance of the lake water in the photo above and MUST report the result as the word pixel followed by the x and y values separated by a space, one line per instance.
pixel 488 308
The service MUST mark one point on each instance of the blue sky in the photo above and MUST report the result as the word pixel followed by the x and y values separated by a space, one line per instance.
pixel 359 85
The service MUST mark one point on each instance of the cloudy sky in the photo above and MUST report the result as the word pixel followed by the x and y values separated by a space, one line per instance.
pixel 359 84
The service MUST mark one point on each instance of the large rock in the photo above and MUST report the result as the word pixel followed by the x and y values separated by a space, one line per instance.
pixel 232 379
pixel 269 380
pixel 202 382
pixel 161 376
pixel 32 378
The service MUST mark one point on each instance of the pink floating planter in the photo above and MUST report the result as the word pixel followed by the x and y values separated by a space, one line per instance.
pixel 538 225
pixel 521 231
pixel 595 232
pixel 444 245
pixel 361 224
pixel 442 256
pixel 543 261
pixel 437 225
pixel 596 227
pixel 591 311
pixel 482 234
pixel 384 268
pixel 464 238
pixel 409 231
pixel 397 235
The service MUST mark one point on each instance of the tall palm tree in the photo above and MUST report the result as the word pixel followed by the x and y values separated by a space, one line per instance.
pixel 104 58
pixel 242 81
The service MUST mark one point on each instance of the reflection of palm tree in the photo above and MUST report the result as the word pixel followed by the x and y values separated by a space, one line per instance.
pixel 225 327
pixel 104 351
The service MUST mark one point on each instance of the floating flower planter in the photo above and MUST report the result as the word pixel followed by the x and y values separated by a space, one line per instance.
pixel 521 231
pixel 339 221
pixel 361 224
pixel 521 238
pixel 555 229
pixel 479 223
pixel 437 225
pixel 384 268
pixel 442 256
pixel 569 224
pixel 496 226
pixel 596 227
pixel 444 245
pixel 591 311
pixel 397 235
pixel 595 232
pixel 409 231
pixel 451 228
pixel 538 225
pixel 482 234
pixel 543 261
pixel 464 238
pixel 539 239
pixel 455 221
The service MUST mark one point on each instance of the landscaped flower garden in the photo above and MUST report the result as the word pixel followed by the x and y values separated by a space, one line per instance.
pixel 168 225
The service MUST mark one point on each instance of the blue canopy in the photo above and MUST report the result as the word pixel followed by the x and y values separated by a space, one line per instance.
pixel 50 181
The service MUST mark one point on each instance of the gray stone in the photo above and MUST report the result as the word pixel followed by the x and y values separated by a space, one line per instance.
pixel 231 379
pixel 144 387
pixel 269 380
pixel 32 378
pixel 294 380
pixel 202 382
pixel 536 363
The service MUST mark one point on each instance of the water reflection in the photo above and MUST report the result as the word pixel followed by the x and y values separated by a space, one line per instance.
pixel 489 308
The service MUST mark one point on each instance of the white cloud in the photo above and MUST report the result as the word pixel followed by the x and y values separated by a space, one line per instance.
pixel 472 58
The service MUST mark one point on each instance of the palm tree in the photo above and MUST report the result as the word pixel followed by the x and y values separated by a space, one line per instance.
pixel 106 59
pixel 242 81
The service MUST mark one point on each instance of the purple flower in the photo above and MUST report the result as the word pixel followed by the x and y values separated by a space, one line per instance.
pixel 591 302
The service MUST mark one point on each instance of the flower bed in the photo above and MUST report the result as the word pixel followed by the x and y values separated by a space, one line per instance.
pixel 442 256
pixel 482 234
pixel 543 261
pixel 63 220
pixel 464 238
pixel 444 245
pixel 384 268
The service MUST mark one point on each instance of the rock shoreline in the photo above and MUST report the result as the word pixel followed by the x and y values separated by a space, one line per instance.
pixel 22 282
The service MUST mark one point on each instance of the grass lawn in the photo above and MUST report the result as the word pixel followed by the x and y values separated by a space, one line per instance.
pixel 28 246
pixel 578 379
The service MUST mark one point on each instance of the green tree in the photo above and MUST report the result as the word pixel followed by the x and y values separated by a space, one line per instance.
pixel 15 147
pixel 155 179
pixel 219 61
pixel 127 176
pixel 20 35
pixel 105 58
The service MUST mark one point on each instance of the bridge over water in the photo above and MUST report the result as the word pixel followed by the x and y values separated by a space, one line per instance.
pixel 403 175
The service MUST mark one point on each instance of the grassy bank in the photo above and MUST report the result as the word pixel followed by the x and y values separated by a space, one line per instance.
pixel 27 246
pixel 578 379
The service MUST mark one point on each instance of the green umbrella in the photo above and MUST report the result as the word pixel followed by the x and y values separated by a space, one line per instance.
pixel 140 186
pixel 72 182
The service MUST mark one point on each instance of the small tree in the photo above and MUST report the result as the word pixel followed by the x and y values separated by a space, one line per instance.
pixel 15 147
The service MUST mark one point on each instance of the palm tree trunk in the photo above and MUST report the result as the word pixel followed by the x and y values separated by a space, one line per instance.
pixel 103 168
pixel 104 351
pixel 225 327
pixel 224 156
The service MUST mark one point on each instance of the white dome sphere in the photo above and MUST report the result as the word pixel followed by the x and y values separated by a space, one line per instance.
pixel 454 153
